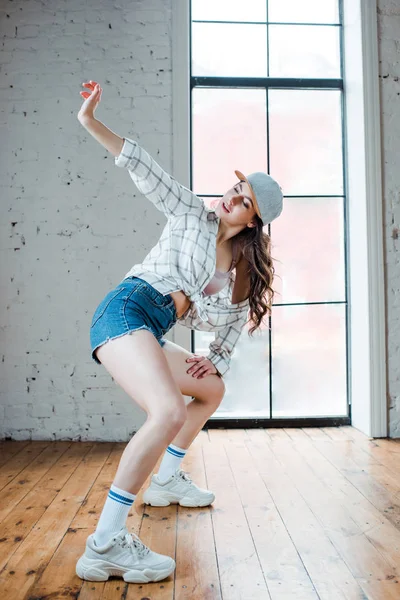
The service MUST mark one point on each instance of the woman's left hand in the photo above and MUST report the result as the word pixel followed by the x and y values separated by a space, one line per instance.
pixel 202 367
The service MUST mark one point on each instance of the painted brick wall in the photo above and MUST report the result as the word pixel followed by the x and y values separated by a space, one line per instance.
pixel 71 223
pixel 389 76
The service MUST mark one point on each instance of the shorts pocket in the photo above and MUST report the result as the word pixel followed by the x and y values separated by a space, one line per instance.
pixel 153 296
pixel 102 307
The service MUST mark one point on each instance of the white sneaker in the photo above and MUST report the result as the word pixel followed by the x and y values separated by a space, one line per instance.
pixel 179 488
pixel 125 556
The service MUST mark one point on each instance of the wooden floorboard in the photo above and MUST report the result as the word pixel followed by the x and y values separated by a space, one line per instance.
pixel 300 514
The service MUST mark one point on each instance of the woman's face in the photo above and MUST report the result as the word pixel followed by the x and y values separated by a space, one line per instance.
pixel 236 207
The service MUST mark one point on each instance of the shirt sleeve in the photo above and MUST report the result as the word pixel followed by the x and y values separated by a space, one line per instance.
pixel 221 349
pixel 169 196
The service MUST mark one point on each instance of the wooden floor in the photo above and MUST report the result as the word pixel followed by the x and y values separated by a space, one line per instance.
pixel 299 514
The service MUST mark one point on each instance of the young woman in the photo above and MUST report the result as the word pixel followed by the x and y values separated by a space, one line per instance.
pixel 207 271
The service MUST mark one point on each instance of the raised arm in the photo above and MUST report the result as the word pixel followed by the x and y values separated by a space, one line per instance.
pixel 169 196
pixel 107 138
pixel 111 141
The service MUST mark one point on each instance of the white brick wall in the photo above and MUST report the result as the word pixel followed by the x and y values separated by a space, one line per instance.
pixel 71 225
pixel 389 73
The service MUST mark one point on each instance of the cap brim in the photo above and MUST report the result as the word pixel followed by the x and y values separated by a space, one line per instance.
pixel 240 176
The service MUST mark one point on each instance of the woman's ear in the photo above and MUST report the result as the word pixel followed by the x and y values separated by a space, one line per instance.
pixel 251 224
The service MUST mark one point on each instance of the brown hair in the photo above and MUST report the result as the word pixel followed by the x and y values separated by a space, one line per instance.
pixel 255 246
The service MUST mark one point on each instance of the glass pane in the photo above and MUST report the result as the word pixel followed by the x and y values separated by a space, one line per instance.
pixel 301 51
pixel 309 361
pixel 247 381
pixel 229 10
pixel 225 137
pixel 306 11
pixel 305 130
pixel 308 245
pixel 229 50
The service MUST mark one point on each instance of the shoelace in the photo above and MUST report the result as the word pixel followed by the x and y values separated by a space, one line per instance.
pixel 131 540
pixel 183 475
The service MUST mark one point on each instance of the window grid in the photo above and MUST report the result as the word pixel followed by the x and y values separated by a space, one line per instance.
pixel 268 83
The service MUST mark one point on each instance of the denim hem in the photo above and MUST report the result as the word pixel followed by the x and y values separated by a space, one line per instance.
pixel 118 336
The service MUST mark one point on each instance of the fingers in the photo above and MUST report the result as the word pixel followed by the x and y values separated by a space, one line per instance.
pixel 195 357
pixel 90 84
pixel 200 371
pixel 206 371
pixel 95 93
pixel 202 368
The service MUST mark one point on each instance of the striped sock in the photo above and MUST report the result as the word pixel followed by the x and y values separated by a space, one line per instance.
pixel 171 461
pixel 114 514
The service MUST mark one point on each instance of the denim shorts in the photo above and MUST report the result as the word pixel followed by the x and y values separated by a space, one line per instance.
pixel 133 304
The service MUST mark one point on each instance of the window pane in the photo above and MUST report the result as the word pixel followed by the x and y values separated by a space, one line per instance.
pixel 306 11
pixel 301 51
pixel 229 10
pixel 306 141
pixel 309 361
pixel 247 381
pixel 229 50
pixel 225 137
pixel 308 245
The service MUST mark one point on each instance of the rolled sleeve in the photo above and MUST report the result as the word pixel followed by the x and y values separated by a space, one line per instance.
pixel 167 195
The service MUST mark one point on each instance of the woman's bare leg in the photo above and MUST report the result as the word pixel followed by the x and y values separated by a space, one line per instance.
pixel 138 364
pixel 208 393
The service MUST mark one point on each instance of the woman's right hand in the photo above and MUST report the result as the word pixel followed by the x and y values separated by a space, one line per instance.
pixel 92 100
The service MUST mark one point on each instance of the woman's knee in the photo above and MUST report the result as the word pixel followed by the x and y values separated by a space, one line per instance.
pixel 220 388
pixel 212 393
pixel 170 418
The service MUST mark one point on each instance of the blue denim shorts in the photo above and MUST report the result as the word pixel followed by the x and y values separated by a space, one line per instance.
pixel 133 304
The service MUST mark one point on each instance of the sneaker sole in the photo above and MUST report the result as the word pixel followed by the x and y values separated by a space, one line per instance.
pixel 95 570
pixel 154 499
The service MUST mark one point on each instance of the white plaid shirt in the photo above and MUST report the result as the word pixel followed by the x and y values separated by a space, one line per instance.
pixel 184 258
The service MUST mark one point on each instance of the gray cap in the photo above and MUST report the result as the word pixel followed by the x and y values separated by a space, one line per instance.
pixel 266 194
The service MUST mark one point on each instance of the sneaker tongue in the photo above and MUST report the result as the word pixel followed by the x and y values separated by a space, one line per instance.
pixel 122 533
pixel 138 543
pixel 128 538
pixel 183 475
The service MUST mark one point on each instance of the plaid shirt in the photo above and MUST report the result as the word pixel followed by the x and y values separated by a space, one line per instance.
pixel 184 258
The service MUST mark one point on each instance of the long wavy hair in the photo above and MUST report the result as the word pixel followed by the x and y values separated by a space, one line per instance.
pixel 255 245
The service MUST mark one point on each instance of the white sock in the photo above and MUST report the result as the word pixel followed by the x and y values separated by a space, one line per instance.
pixel 171 461
pixel 114 514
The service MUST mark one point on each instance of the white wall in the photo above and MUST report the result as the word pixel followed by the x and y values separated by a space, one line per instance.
pixel 389 51
pixel 71 223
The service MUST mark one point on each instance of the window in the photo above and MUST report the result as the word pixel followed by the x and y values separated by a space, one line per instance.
pixel 267 94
